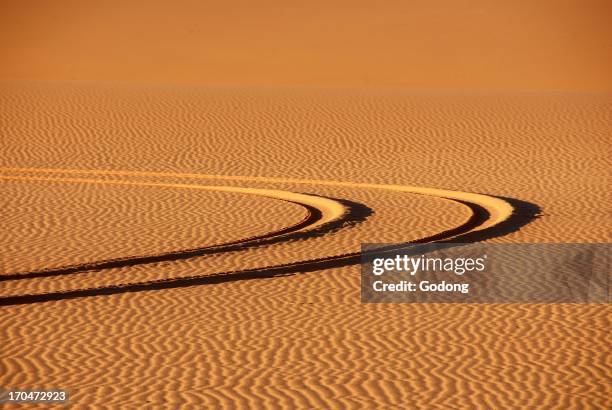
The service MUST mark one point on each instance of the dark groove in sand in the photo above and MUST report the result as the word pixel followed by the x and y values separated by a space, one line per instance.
pixel 524 213
pixel 355 213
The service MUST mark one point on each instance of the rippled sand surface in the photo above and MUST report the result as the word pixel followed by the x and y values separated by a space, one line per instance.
pixel 172 246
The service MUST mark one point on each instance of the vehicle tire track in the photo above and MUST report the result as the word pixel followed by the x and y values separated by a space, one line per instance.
pixel 488 213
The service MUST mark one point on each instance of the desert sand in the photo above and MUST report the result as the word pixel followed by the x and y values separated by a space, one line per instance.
pixel 187 234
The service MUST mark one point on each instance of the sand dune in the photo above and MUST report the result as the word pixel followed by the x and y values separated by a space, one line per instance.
pixel 186 268
pixel 422 45
pixel 184 188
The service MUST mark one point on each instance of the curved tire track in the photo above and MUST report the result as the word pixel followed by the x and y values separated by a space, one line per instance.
pixel 323 214
pixel 498 208
pixel 491 216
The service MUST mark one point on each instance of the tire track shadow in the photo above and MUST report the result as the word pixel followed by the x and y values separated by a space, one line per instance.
pixel 523 213
pixel 355 213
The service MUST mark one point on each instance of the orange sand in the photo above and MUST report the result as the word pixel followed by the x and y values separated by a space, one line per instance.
pixel 168 160
pixel 422 44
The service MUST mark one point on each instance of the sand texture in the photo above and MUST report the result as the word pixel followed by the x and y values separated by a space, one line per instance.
pixel 197 247
pixel 185 186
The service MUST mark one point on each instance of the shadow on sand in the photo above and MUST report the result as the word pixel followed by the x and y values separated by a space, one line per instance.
pixel 524 213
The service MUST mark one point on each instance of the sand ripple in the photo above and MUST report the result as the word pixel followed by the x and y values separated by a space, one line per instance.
pixel 254 298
